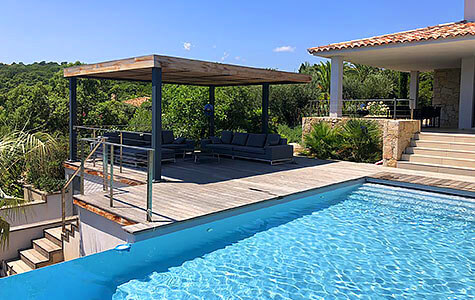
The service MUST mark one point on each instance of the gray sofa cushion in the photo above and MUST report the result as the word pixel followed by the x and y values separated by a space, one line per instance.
pixel 247 149
pixel 216 140
pixel 256 140
pixel 180 140
pixel 272 139
pixel 167 137
pixel 240 138
pixel 175 146
pixel 226 137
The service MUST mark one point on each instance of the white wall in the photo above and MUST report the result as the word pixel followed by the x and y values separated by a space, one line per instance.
pixel 99 234
pixel 466 103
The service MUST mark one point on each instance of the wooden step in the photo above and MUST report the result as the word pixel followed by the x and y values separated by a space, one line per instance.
pixel 443 145
pixel 33 258
pixel 440 152
pixel 51 250
pixel 446 137
pixel 439 160
pixel 17 267
pixel 436 168
pixel 54 235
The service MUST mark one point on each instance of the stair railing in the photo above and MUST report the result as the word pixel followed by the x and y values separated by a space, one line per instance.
pixel 108 174
pixel 65 188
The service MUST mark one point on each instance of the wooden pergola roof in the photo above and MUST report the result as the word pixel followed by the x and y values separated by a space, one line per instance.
pixel 184 71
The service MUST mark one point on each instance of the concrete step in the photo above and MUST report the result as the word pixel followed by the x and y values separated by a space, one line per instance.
pixel 446 137
pixel 51 250
pixel 440 152
pixel 443 145
pixel 54 235
pixel 17 267
pixel 439 160
pixel 436 168
pixel 34 259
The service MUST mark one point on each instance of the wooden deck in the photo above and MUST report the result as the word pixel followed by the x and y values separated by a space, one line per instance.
pixel 196 190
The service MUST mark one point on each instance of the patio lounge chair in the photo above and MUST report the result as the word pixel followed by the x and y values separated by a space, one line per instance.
pixel 263 147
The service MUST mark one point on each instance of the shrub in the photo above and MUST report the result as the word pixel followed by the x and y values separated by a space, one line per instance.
pixel 323 140
pixel 361 141
pixel 357 140
pixel 293 135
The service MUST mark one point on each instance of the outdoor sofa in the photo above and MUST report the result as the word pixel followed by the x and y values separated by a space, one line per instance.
pixel 263 147
pixel 171 146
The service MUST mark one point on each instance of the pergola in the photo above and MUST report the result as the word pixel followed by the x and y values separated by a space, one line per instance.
pixel 158 70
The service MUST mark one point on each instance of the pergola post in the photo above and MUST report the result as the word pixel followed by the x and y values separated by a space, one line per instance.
pixel 157 123
pixel 211 119
pixel 72 118
pixel 336 87
pixel 414 87
pixel 265 107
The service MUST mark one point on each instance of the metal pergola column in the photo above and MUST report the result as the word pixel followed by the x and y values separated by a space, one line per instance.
pixel 265 107
pixel 157 123
pixel 211 101
pixel 72 118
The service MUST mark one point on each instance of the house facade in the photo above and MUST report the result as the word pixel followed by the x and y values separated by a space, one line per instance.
pixel 446 49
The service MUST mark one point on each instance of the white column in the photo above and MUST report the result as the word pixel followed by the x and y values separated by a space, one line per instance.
pixel 466 105
pixel 414 87
pixel 336 86
pixel 469 10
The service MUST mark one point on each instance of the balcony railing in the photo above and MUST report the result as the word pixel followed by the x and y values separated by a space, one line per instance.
pixel 368 108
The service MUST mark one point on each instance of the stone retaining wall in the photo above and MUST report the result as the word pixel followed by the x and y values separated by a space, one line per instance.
pixel 397 134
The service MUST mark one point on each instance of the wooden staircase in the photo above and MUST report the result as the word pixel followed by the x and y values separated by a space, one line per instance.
pixel 45 251
pixel 451 153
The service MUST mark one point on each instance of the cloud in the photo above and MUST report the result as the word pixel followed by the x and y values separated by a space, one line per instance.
pixel 187 46
pixel 225 55
pixel 284 49
pixel 239 58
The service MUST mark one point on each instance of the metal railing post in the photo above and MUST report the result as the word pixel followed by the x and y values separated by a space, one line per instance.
pixel 104 165
pixel 111 187
pixel 81 186
pixel 395 107
pixel 94 156
pixel 121 143
pixel 63 210
pixel 149 185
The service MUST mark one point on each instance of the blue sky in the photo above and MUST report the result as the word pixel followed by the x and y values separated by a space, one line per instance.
pixel 238 32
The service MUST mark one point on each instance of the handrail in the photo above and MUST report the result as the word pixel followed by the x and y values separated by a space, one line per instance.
pixel 105 161
pixel 68 183
pixel 111 130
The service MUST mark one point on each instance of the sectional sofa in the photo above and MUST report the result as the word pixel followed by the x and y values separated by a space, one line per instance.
pixel 171 146
pixel 263 147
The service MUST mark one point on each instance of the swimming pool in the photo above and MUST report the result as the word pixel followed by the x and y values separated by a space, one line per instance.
pixel 366 241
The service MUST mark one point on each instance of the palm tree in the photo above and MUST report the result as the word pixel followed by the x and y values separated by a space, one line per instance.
pixel 18 148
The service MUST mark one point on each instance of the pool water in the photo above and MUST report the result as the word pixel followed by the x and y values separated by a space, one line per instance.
pixel 375 242
pixel 353 241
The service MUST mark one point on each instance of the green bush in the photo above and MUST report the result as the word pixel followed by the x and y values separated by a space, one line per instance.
pixel 293 135
pixel 356 140
pixel 323 140
pixel 361 141
pixel 47 174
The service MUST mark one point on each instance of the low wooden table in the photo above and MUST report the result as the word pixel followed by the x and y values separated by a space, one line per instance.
pixel 200 154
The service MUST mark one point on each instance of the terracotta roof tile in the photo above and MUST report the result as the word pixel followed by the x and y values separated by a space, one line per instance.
pixel 137 101
pixel 442 31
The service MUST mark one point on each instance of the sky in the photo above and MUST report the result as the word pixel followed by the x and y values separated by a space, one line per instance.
pixel 258 33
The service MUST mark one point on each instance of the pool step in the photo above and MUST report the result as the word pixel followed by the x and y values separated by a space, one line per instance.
pixel 451 153
pixel 44 252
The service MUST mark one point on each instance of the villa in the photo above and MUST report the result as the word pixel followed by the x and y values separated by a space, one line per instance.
pixel 151 215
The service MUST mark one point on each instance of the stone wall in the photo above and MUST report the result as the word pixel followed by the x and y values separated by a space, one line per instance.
pixel 447 95
pixel 397 134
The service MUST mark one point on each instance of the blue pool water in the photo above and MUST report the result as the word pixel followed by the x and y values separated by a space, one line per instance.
pixel 365 241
